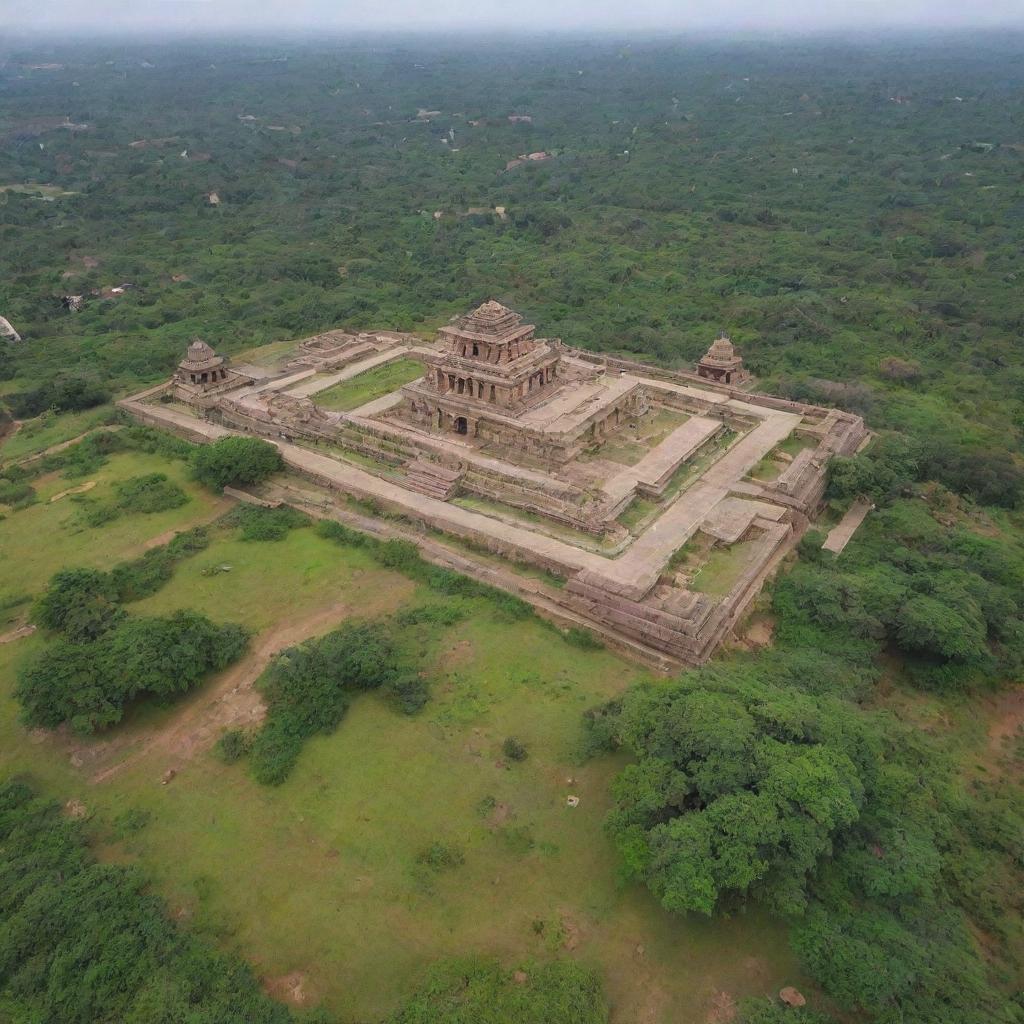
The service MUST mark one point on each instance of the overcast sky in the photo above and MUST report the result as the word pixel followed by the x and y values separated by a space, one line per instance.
pixel 524 15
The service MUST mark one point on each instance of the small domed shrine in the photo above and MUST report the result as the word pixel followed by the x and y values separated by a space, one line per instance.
pixel 722 363
pixel 201 365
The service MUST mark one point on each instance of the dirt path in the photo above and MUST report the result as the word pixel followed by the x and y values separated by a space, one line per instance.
pixel 60 446
pixel 1008 720
pixel 232 702
pixel 16 634
pixel 80 489
pixel 221 506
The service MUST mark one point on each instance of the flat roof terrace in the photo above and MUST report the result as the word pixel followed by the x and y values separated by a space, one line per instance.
pixel 575 404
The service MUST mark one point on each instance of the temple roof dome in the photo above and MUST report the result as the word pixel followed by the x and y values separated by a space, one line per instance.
pixel 722 350
pixel 200 356
pixel 491 317
pixel 198 350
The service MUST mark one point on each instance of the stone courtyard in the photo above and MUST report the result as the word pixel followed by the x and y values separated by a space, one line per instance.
pixel 650 503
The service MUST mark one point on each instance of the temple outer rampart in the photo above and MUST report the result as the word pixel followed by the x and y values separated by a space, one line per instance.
pixel 521 471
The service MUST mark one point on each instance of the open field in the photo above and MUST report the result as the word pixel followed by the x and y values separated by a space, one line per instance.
pixel 50 535
pixel 320 875
pixel 36 435
pixel 365 387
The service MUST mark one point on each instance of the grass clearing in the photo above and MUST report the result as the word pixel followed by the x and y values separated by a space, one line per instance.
pixel 320 875
pixel 272 354
pixel 371 384
pixel 47 536
pixel 48 429
pixel 638 512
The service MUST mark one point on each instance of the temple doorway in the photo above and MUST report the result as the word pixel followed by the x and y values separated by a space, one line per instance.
pixel 461 426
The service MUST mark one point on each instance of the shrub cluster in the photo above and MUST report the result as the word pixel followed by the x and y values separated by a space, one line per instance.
pixel 79 602
pixel 259 524
pixel 239 461
pixel 62 394
pixel 88 682
pixel 103 658
pixel 949 599
pixel 309 688
pixel 480 991
pixel 82 941
pixel 152 492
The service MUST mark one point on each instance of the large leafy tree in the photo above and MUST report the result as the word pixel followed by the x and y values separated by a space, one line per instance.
pixel 737 790
pixel 235 460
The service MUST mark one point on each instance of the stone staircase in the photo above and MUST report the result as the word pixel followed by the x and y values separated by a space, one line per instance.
pixel 432 479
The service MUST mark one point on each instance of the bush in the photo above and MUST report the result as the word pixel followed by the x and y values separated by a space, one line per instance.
pixel 89 683
pixel 143 576
pixel 435 614
pixel 240 461
pixel 150 493
pixel 479 991
pixel 513 749
pixel 15 492
pixel 408 693
pixel 440 856
pixel 309 688
pixel 62 394
pixel 260 524
pixel 129 823
pixel 584 639
pixel 81 603
pixel 85 942
pixel 233 746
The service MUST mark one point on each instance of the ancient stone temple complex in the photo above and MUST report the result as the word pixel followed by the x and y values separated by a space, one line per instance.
pixel 644 503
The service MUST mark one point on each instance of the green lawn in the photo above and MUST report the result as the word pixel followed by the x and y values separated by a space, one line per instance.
pixel 639 510
pixel 723 568
pixel 320 875
pixel 48 429
pixel 365 387
pixel 272 354
pixel 37 541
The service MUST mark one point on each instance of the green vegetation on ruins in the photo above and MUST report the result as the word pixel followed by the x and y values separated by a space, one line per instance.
pixel 835 805
pixel 370 384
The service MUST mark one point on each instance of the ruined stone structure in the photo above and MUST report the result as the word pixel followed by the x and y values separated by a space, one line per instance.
pixel 491 371
pixel 722 363
pixel 201 366
pixel 594 469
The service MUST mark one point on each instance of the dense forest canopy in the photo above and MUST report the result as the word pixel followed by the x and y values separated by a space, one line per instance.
pixel 849 211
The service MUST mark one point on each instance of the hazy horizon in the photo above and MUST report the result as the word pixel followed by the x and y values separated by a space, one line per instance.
pixel 581 17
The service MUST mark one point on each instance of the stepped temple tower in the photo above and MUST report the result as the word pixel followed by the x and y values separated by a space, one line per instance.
pixel 489 358
pixel 491 380
pixel 722 363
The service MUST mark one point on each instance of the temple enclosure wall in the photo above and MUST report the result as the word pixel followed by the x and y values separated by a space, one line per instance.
pixel 621 479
